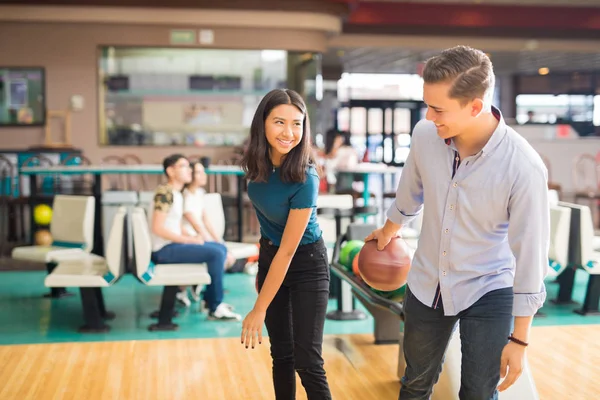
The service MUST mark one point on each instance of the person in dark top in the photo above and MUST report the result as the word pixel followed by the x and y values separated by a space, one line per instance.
pixel 293 270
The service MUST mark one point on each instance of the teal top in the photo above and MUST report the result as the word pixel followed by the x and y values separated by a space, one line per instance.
pixel 274 199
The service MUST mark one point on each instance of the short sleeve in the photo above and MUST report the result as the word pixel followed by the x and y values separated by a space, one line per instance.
pixel 188 202
pixel 163 199
pixel 306 195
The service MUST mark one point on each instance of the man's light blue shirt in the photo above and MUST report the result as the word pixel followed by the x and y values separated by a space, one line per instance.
pixel 485 229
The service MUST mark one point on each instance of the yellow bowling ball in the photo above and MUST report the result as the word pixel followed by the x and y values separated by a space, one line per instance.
pixel 42 214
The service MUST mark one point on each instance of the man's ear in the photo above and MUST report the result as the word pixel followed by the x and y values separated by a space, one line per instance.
pixel 477 106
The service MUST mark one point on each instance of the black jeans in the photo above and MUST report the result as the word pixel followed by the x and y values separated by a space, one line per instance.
pixel 295 320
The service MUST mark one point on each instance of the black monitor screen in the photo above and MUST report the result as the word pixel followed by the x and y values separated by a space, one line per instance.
pixel 22 96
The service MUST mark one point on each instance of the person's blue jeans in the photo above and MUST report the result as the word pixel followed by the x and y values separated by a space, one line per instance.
pixel 211 253
pixel 484 328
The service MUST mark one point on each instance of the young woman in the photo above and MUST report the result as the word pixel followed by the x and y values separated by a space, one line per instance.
pixel 293 271
pixel 197 223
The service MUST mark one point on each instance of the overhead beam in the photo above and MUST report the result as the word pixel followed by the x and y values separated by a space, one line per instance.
pixel 174 17
pixel 489 20
pixel 419 42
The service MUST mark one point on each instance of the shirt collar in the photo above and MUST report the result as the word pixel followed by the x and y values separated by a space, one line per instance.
pixel 496 137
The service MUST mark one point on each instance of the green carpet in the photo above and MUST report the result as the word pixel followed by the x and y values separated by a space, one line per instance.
pixel 28 318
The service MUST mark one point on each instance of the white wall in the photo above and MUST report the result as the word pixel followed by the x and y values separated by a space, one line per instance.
pixel 560 152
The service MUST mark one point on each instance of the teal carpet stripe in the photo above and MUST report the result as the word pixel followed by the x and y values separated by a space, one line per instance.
pixel 27 317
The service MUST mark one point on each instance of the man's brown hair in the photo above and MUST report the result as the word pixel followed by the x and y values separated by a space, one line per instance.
pixel 469 71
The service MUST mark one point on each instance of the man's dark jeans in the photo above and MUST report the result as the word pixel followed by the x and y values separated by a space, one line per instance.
pixel 484 328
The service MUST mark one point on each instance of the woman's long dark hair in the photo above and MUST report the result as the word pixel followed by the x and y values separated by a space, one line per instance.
pixel 256 161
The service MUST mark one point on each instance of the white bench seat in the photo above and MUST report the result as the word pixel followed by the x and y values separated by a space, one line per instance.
pixel 583 255
pixel 46 254
pixel 92 271
pixel 213 205
pixel 171 276
pixel 90 274
pixel 176 275
pixel 241 250
pixel 72 230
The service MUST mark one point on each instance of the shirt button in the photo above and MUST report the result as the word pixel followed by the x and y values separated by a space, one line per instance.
pixel 455 184
pixel 444 272
pixel 446 231
pixel 444 253
pixel 451 207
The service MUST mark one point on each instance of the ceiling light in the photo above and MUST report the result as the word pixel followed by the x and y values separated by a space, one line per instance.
pixel 543 71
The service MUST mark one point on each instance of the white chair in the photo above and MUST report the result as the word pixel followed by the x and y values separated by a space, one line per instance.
pixel 328 224
pixel 92 273
pixel 213 204
pixel 582 252
pixel 72 230
pixel 560 228
pixel 584 255
pixel 448 385
pixel 335 215
pixel 171 276
pixel 112 200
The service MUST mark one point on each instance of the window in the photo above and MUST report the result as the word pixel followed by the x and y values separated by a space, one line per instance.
pixel 172 96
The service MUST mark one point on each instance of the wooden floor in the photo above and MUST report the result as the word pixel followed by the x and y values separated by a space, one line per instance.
pixel 564 361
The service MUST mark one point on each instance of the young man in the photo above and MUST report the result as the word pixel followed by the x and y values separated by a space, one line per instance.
pixel 171 246
pixel 483 249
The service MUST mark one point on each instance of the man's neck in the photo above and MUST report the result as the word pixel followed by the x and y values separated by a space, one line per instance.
pixel 472 141
pixel 175 185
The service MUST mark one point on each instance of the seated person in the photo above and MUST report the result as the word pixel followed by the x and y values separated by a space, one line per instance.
pixel 339 154
pixel 197 223
pixel 171 246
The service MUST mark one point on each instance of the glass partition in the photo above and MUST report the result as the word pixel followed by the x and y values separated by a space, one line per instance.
pixel 173 96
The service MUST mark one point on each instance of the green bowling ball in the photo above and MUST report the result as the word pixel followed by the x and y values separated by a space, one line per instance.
pixel 394 295
pixel 345 259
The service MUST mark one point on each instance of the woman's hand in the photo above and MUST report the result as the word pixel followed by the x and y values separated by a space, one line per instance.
pixel 252 327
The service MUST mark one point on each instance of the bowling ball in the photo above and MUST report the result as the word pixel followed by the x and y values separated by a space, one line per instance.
pixel 254 258
pixel 385 270
pixel 353 254
pixel 43 238
pixel 355 266
pixel 394 295
pixel 42 214
pixel 346 249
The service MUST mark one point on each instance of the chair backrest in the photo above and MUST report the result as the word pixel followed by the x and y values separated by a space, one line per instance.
pixel 581 239
pixel 73 221
pixel 213 206
pixel 560 228
pixel 114 244
pixel 146 197
pixel 142 243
